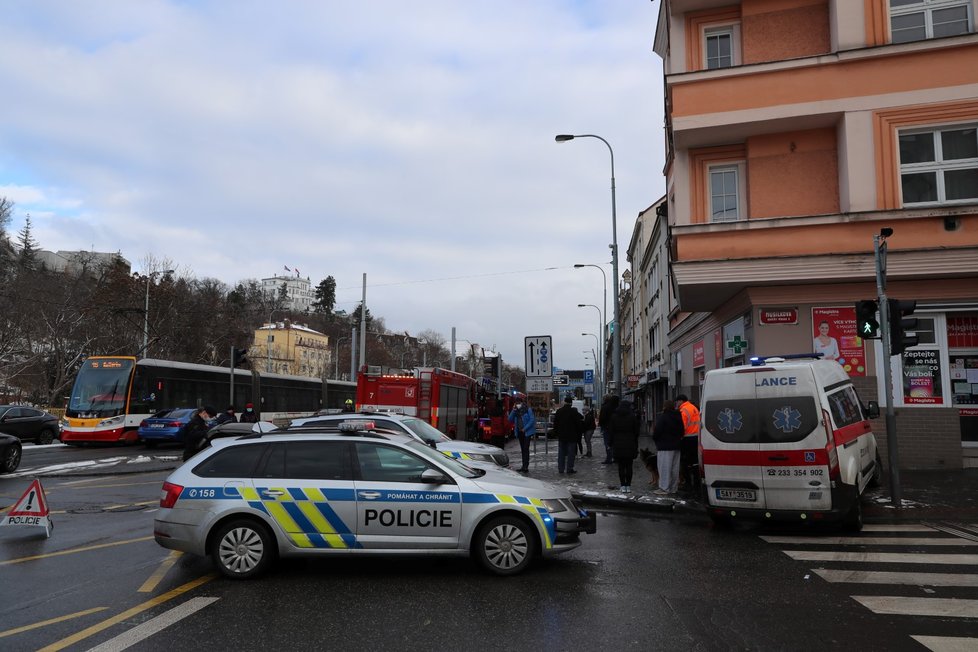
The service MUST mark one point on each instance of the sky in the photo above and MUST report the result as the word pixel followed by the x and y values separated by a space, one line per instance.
pixel 409 141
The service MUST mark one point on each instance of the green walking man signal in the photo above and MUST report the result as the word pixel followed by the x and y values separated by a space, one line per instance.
pixel 867 325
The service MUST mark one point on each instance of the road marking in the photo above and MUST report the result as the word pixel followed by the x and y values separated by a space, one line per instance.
pixel 883 557
pixel 147 502
pixel 876 541
pixel 51 621
pixel 155 578
pixel 154 625
pixel 899 605
pixel 883 577
pixel 897 527
pixel 105 624
pixel 947 643
pixel 124 484
pixel 74 550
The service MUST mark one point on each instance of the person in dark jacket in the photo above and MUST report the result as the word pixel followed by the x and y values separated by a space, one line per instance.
pixel 569 426
pixel 196 430
pixel 249 415
pixel 589 426
pixel 604 419
pixel 667 435
pixel 225 417
pixel 624 428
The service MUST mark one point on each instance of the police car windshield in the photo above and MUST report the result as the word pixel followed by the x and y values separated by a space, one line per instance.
pixel 425 430
pixel 457 467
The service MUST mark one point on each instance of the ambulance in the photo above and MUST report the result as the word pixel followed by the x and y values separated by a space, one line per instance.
pixel 786 438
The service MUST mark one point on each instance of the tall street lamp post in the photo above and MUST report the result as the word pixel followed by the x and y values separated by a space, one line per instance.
pixel 149 277
pixel 600 330
pixel 597 364
pixel 604 305
pixel 616 326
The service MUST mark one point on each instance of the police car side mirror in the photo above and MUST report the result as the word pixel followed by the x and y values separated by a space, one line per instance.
pixel 433 476
pixel 873 409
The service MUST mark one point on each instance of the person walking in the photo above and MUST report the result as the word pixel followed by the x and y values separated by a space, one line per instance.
pixel 249 415
pixel 589 425
pixel 667 433
pixel 569 426
pixel 624 428
pixel 524 427
pixel 195 431
pixel 690 442
pixel 608 408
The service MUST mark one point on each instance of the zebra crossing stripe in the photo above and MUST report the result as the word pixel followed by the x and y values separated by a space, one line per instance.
pixel 947 643
pixel 875 541
pixel 884 557
pixel 896 527
pixel 883 577
pixel 899 605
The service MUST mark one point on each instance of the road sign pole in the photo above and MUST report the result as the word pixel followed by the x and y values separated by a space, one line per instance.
pixel 879 250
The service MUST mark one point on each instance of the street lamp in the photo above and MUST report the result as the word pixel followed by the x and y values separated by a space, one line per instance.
pixel 616 326
pixel 604 304
pixel 600 327
pixel 149 277
pixel 597 363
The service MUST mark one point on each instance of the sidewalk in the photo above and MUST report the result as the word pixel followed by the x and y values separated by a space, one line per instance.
pixel 940 495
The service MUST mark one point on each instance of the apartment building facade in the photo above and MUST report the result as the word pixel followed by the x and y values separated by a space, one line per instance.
pixel 294 349
pixel 299 294
pixel 796 130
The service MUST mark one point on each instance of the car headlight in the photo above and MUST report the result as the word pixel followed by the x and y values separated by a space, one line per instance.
pixel 113 421
pixel 555 505
pixel 480 457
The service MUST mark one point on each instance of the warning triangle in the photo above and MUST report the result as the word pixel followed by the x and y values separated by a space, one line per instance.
pixel 32 503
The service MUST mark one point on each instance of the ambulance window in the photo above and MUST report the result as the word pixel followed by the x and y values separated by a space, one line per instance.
pixel 388 464
pixel 316 460
pixel 845 407
pixel 732 422
pixel 786 419
pixel 232 462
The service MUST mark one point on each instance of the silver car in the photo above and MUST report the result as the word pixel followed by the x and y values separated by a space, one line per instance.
pixel 245 501
pixel 468 451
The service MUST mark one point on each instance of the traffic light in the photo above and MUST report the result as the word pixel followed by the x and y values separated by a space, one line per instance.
pixel 867 326
pixel 239 357
pixel 900 324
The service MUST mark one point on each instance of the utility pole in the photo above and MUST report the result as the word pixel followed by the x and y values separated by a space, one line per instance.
pixel 879 250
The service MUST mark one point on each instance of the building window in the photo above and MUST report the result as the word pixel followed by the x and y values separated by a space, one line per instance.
pixel 939 165
pixel 725 193
pixel 719 42
pixel 916 20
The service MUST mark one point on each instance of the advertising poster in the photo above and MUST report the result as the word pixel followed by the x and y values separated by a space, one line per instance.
pixel 699 354
pixel 835 337
pixel 922 377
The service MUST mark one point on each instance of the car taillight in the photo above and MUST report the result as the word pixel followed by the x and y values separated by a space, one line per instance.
pixel 175 424
pixel 169 494
pixel 142 424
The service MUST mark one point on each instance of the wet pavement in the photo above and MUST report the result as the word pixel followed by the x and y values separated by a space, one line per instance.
pixel 948 494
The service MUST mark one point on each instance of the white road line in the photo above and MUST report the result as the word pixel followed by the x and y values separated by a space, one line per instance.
pixel 153 626
pixel 947 643
pixel 897 527
pixel 898 605
pixel 883 557
pixel 883 577
pixel 876 541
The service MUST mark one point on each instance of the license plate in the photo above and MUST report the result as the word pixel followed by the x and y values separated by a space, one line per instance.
pixel 157 425
pixel 744 495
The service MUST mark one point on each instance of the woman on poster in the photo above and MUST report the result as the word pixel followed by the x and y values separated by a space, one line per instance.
pixel 827 346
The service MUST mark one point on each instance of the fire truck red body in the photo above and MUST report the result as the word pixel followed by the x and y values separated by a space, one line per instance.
pixel 443 398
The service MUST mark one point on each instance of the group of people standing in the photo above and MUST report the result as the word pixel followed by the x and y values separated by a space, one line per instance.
pixel 206 418
pixel 676 436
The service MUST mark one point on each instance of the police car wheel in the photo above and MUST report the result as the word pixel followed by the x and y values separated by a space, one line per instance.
pixel 242 549
pixel 505 545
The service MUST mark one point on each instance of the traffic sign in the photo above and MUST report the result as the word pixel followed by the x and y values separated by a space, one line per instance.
pixel 539 357
pixel 539 385
pixel 588 376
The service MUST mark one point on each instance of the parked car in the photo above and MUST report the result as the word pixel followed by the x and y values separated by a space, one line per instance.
pixel 29 424
pixel 9 453
pixel 165 426
pixel 237 429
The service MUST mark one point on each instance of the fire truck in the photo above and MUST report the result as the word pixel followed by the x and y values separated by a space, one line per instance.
pixel 493 410
pixel 443 398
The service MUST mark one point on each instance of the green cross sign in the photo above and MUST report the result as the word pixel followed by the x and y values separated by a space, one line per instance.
pixel 737 344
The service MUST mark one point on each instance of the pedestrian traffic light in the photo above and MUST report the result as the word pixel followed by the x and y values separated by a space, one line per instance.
pixel 900 340
pixel 867 326
pixel 239 357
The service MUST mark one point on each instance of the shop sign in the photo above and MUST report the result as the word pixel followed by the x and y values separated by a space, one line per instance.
pixel 962 332
pixel 778 316
pixel 633 380
pixel 699 354
pixel 922 377
pixel 834 336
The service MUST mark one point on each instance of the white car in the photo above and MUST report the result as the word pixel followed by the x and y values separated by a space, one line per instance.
pixel 467 451
pixel 343 491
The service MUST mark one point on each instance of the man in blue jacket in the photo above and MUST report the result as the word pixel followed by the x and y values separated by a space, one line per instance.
pixel 525 426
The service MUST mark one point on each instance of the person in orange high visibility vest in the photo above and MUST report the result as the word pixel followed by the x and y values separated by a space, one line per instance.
pixel 688 446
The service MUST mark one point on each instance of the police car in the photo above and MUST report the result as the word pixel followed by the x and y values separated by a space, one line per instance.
pixel 358 491
pixel 467 451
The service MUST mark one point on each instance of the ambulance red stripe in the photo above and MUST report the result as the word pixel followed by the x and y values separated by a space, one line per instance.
pixel 766 457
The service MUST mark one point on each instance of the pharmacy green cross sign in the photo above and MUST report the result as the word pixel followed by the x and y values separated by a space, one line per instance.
pixel 737 345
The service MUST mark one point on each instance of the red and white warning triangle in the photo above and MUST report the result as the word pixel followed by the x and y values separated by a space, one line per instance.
pixel 31 509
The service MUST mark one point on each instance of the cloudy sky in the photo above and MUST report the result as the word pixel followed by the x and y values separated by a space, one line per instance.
pixel 411 141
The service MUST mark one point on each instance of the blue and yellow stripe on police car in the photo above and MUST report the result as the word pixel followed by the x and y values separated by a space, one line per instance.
pixel 456 455
pixel 533 506
pixel 305 516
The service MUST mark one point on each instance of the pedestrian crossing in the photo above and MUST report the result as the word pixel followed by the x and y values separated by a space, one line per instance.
pixel 927 571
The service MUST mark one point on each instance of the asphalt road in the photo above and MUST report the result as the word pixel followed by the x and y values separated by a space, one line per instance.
pixel 639 583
